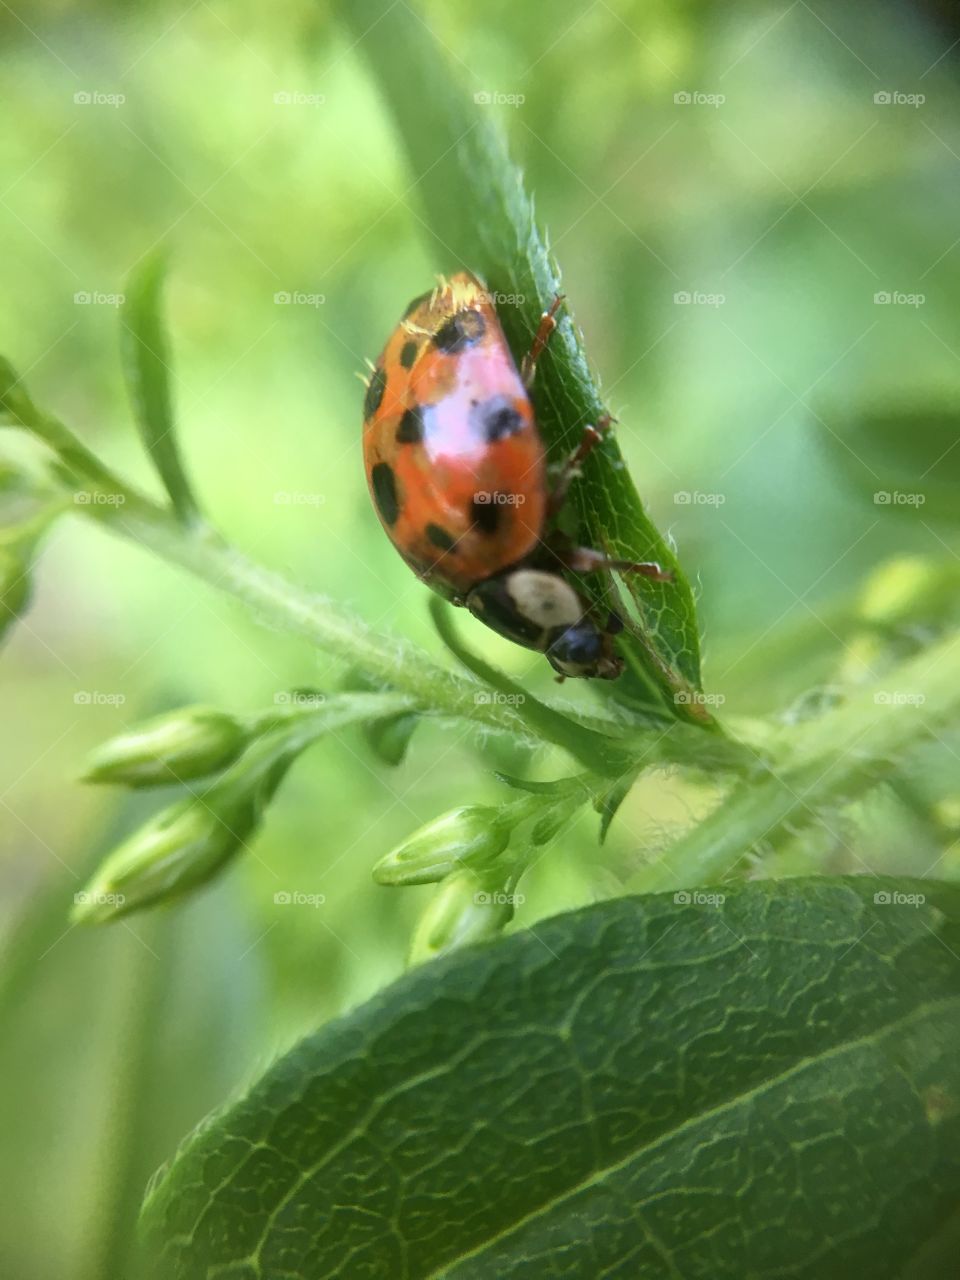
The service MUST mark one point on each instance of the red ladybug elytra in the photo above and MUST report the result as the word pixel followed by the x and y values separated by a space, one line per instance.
pixel 457 472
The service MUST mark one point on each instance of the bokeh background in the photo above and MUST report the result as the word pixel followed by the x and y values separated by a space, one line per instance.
pixel 784 167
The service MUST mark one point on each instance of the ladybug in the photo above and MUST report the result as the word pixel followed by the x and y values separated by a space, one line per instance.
pixel 457 471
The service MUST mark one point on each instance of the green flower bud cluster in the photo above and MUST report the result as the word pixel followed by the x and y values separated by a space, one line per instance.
pixel 461 850
pixel 184 845
pixel 194 838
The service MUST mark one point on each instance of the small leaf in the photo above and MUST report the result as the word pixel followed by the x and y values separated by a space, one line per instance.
pixel 762 1084
pixel 553 822
pixel 611 801
pixel 481 218
pixel 389 738
pixel 147 368
pixel 558 786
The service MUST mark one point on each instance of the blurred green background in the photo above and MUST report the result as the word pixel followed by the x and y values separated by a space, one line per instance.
pixel 782 197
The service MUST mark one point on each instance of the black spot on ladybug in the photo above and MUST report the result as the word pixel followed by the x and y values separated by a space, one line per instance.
pixel 410 430
pixel 465 329
pixel 408 353
pixel 485 516
pixel 440 538
pixel 375 390
pixel 496 418
pixel 384 484
pixel 417 302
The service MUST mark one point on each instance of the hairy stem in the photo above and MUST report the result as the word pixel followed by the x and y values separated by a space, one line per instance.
pixel 825 762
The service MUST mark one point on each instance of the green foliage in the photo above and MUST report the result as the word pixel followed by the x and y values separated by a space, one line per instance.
pixel 147 362
pixel 571 1102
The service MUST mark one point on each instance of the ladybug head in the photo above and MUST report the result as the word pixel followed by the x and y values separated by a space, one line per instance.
pixel 541 611
pixel 584 650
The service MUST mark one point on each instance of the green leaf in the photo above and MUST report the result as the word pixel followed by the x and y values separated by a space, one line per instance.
pixel 611 801
pixel 764 1086
pixel 389 738
pixel 480 217
pixel 147 368
pixel 556 786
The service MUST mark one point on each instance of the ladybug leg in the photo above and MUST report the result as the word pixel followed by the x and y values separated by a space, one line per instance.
pixel 528 366
pixel 591 438
pixel 585 560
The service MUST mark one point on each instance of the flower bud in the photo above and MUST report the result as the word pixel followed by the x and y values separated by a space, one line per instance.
pixel 466 908
pixel 170 748
pixel 177 850
pixel 473 834
pixel 14 588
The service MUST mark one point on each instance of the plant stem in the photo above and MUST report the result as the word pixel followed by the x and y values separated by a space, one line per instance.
pixel 395 663
pixel 832 759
